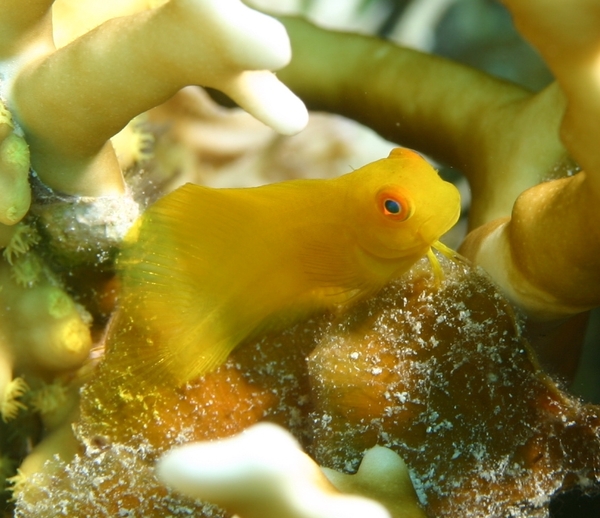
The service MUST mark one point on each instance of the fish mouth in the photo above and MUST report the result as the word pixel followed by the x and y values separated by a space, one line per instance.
pixel 424 240
pixel 428 236
pixel 422 244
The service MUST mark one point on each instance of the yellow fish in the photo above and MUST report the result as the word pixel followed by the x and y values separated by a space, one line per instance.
pixel 205 268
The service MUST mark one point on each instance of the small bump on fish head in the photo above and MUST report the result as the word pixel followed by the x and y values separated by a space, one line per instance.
pixel 402 152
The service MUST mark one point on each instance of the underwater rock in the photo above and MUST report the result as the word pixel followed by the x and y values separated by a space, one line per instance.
pixel 444 378
pixel 436 371
pixel 81 229
pixel 105 481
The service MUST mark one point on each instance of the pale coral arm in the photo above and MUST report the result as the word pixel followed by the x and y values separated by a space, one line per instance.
pixel 23 24
pixel 72 101
pixel 567 35
pixel 547 256
pixel 456 114
pixel 260 473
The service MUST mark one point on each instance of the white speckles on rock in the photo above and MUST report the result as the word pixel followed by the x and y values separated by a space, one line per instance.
pixel 455 393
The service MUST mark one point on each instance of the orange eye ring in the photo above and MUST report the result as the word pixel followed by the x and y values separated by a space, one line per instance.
pixel 393 205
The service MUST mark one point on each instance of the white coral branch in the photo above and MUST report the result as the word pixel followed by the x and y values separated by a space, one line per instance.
pixel 72 100
pixel 260 473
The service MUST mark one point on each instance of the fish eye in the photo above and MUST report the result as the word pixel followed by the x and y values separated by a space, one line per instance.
pixel 393 205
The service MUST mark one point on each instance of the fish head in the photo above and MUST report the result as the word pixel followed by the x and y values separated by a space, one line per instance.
pixel 403 207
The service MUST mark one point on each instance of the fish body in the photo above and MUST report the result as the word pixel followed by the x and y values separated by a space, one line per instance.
pixel 208 268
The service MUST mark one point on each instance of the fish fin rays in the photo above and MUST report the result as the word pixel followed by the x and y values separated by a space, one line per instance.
pixel 158 355
pixel 171 293
pixel 334 274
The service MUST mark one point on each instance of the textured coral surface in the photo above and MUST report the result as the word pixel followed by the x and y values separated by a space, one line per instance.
pixel 440 374
pixel 445 379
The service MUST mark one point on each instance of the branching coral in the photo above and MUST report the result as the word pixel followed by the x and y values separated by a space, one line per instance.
pixel 574 62
pixel 559 217
pixel 70 101
pixel 259 474
pixel 375 374
pixel 68 127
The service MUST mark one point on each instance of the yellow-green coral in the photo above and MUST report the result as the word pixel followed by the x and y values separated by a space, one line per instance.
pixel 27 269
pixel 134 143
pixel 10 404
pixel 48 397
pixel 14 164
pixel 16 483
pixel 41 329
pixel 14 183
pixel 6 121
pixel 24 237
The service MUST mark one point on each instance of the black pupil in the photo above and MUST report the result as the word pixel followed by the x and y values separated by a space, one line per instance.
pixel 392 206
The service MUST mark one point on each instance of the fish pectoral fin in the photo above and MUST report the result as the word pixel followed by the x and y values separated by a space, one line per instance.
pixel 175 290
pixel 331 274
